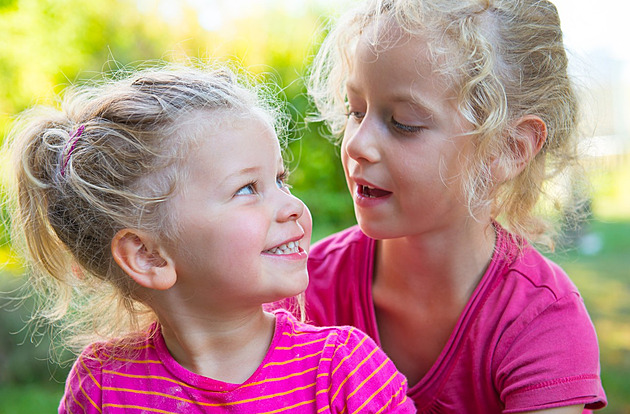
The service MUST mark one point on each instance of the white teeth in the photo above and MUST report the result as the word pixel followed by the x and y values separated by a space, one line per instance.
pixel 287 248
pixel 367 191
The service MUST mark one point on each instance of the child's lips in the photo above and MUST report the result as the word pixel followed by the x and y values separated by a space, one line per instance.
pixel 372 192
pixel 285 248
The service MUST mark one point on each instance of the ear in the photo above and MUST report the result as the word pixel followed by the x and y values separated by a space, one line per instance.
pixel 143 259
pixel 527 138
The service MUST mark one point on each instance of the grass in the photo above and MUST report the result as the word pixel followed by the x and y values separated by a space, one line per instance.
pixel 30 399
pixel 600 267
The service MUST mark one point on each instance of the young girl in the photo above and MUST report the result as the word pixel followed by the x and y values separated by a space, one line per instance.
pixel 452 115
pixel 156 214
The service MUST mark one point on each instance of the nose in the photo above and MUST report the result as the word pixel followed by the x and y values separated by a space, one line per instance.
pixel 360 141
pixel 291 207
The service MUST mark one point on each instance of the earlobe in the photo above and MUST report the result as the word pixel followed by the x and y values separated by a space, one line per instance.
pixel 141 258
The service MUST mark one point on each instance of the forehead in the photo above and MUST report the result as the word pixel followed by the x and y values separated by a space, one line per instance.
pixel 397 64
pixel 232 136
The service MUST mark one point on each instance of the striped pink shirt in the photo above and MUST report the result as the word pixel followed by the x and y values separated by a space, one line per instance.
pixel 306 370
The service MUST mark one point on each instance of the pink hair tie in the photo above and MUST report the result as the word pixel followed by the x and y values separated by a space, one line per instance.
pixel 72 142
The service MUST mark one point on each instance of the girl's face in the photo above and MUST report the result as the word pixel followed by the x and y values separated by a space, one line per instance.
pixel 243 237
pixel 404 145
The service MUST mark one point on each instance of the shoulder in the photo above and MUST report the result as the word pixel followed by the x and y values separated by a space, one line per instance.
pixel 289 326
pixel 333 340
pixel 531 269
pixel 84 382
pixel 361 378
pixel 533 291
pixel 546 340
pixel 352 374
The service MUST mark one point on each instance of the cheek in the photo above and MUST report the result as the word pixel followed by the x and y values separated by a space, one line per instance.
pixel 306 222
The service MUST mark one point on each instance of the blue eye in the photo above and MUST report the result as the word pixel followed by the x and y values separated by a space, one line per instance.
pixel 248 189
pixel 281 181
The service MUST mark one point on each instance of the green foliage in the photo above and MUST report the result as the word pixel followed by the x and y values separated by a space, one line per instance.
pixel 29 399
pixel 24 354
pixel 47 44
pixel 598 265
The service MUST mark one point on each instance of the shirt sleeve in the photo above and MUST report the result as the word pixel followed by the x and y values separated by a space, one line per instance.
pixel 553 361
pixel 83 386
pixel 362 379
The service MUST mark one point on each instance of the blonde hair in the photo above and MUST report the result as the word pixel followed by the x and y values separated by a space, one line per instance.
pixel 504 58
pixel 109 159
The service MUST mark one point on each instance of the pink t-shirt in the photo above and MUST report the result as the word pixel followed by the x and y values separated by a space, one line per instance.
pixel 524 341
pixel 306 370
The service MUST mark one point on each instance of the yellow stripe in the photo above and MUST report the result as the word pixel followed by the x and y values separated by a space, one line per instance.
pixel 354 372
pixel 322 391
pixel 284 348
pixel 90 374
pixel 77 401
pixel 138 407
pixel 158 377
pixel 85 393
pixel 292 360
pixel 349 335
pixel 366 379
pixel 321 410
pixel 386 405
pixel 290 407
pixel 135 361
pixel 374 372
pixel 392 399
pixel 296 374
pixel 374 394
pixel 296 333
pixel 350 354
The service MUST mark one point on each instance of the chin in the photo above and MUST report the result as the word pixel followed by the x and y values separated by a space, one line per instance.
pixel 293 287
pixel 378 231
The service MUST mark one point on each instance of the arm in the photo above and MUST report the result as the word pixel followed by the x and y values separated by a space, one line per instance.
pixel 83 389
pixel 572 409
pixel 551 359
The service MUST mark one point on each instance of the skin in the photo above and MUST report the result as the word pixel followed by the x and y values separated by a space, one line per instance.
pixel 430 253
pixel 208 287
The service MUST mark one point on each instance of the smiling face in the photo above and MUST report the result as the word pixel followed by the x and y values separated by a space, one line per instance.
pixel 404 144
pixel 243 238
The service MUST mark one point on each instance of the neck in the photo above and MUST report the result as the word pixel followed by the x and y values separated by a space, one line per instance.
pixel 444 265
pixel 227 348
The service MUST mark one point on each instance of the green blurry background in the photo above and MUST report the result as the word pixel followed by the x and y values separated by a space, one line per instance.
pixel 47 44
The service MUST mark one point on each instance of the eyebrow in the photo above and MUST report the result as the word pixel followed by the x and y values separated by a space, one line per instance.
pixel 401 98
pixel 249 171
pixel 242 171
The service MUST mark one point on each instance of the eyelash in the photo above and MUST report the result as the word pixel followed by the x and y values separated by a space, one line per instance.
pixel 282 179
pixel 252 185
pixel 405 129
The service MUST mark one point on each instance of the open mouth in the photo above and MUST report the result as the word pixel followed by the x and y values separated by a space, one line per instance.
pixel 287 248
pixel 370 192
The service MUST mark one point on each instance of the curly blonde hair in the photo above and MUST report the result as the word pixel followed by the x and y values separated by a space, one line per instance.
pixel 504 58
pixel 74 190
